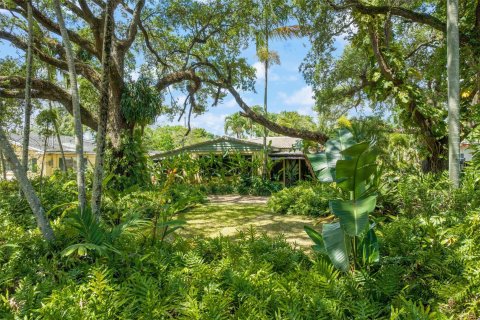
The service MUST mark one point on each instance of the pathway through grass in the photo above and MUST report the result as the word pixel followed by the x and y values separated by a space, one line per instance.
pixel 228 218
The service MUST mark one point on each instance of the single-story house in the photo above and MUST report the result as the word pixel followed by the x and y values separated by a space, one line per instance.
pixel 51 151
pixel 466 151
pixel 289 161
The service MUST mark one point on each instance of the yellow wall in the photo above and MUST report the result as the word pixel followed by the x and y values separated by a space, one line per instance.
pixel 52 160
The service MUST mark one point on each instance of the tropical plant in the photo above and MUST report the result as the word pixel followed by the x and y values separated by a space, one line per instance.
pixel 323 163
pixel 95 237
pixel 352 236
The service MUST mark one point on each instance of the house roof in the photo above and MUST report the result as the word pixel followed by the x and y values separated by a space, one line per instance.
pixel 68 143
pixel 285 143
pixel 222 144
pixel 279 146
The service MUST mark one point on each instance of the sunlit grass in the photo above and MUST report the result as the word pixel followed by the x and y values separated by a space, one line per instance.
pixel 211 220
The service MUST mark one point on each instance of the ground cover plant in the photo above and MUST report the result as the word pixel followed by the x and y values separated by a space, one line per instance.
pixel 427 269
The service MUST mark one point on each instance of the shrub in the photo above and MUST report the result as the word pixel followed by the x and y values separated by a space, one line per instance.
pixel 305 199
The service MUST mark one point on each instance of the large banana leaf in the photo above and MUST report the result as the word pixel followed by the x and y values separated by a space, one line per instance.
pixel 369 247
pixel 317 239
pixel 356 171
pixel 353 214
pixel 323 164
pixel 337 245
pixel 333 242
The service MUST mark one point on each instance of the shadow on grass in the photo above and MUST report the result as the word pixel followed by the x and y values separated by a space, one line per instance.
pixel 211 220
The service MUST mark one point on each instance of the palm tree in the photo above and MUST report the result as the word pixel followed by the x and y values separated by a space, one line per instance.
pixel 453 92
pixel 103 109
pixel 28 88
pixel 270 28
pixel 82 198
pixel 236 124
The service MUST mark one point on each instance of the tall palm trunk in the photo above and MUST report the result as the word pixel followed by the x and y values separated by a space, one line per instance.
pixel 82 198
pixel 103 110
pixel 28 88
pixel 453 57
pixel 27 188
pixel 265 105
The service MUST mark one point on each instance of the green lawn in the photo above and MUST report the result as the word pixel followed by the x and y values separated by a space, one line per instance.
pixel 211 220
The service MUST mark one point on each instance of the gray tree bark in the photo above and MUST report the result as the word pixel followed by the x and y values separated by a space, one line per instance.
pixel 4 166
pixel 27 188
pixel 82 198
pixel 453 57
pixel 96 201
pixel 28 89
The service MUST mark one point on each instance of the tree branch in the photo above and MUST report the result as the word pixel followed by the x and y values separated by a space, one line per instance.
pixel 384 67
pixel 82 68
pixel 133 28
pixel 14 86
pixel 418 17
pixel 272 126
pixel 53 27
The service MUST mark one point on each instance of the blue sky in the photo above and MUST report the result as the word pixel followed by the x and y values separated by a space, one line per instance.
pixel 287 89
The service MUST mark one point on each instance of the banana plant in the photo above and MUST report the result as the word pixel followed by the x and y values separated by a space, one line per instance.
pixel 351 240
pixel 323 163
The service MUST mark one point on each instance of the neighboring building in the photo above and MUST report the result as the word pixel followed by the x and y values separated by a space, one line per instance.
pixel 289 163
pixel 53 157
pixel 467 149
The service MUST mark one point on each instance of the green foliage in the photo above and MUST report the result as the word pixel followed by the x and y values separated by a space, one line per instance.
pixel 128 165
pixel 141 104
pixel 429 266
pixel 167 138
pixel 219 174
pixel 308 198
pixel 356 175
pixel 324 163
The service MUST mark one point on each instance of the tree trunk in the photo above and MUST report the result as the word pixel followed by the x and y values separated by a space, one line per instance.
pixel 59 140
pixel 4 166
pixel 27 188
pixel 43 159
pixel 28 87
pixel 265 106
pixel 103 110
pixel 75 106
pixel 453 93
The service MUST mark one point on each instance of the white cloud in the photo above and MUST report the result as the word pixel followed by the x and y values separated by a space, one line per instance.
pixel 210 122
pixel 300 98
pixel 307 111
pixel 260 72
pixel 229 104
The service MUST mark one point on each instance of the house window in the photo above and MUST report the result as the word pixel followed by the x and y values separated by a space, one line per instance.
pixel 33 165
pixel 68 163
